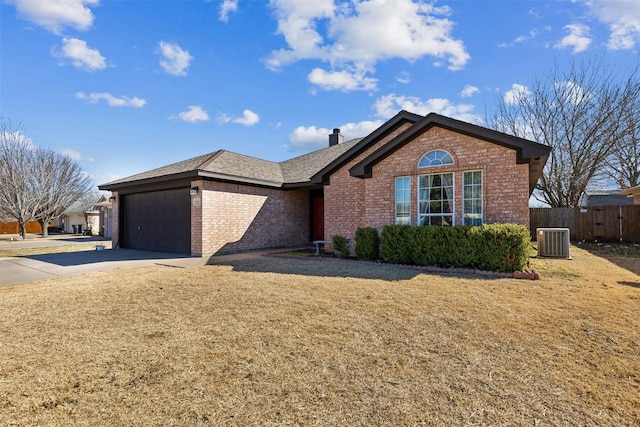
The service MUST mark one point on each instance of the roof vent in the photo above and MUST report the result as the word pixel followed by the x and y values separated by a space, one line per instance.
pixel 335 138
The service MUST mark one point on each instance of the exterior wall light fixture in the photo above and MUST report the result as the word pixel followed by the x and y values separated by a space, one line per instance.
pixel 193 191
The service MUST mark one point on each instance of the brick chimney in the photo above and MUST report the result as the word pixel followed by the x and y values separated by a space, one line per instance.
pixel 335 138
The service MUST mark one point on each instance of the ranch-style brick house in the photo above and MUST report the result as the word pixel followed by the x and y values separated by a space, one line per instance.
pixel 411 170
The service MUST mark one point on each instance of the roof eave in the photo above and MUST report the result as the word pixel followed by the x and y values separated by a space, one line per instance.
pixel 146 181
pixel 321 177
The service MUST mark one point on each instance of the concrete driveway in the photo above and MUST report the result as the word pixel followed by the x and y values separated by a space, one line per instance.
pixel 17 270
pixel 32 268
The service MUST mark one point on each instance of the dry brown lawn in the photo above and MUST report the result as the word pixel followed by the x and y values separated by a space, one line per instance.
pixel 272 341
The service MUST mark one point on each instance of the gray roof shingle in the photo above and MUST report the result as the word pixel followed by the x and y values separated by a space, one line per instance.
pixel 224 164
pixel 302 168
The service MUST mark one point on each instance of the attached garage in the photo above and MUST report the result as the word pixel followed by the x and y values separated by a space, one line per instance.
pixel 157 221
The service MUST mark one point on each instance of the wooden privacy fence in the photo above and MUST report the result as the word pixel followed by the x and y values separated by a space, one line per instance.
pixel 12 227
pixel 601 223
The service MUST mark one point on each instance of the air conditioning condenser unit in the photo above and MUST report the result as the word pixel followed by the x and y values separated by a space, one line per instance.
pixel 553 242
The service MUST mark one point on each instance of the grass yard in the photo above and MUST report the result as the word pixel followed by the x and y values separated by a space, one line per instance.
pixel 271 341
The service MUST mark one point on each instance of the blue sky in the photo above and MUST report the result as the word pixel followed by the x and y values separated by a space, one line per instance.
pixel 127 86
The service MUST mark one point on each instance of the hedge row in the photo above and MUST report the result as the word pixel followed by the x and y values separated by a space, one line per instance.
pixel 493 247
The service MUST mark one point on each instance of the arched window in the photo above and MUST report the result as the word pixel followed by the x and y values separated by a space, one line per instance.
pixel 435 158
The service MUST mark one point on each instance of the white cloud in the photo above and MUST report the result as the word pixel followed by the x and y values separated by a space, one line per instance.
pixel 18 137
pixel 403 77
pixel 572 92
pixel 54 15
pixel 249 118
pixel 623 18
pixel 194 114
pixel 517 92
pixel 75 155
pixel 469 91
pixel 112 101
pixel 175 60
pixel 520 39
pixel 578 38
pixel 389 105
pixel 355 36
pixel 342 80
pixel 309 138
pixel 227 7
pixel 81 55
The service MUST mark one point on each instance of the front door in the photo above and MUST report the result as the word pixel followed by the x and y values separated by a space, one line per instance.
pixel 317 218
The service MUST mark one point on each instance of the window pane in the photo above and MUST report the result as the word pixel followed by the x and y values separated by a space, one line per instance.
pixel 435 197
pixel 472 198
pixel 403 200
pixel 435 158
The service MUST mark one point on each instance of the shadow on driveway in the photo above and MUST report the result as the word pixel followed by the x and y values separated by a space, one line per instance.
pixel 17 270
pixel 68 259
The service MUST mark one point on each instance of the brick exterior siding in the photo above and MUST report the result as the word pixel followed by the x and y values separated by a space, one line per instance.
pixel 233 217
pixel 352 202
pixel 115 219
pixel 344 198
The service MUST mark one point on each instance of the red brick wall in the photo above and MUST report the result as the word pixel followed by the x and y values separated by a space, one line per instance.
pixel 345 202
pixel 115 219
pixel 353 202
pixel 233 217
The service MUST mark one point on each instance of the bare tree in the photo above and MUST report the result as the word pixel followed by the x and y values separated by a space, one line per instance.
pixel 623 164
pixel 19 198
pixel 60 182
pixel 580 113
pixel 35 183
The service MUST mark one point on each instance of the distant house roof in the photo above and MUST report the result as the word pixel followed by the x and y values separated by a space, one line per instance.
pixel 77 207
pixel 632 191
pixel 605 198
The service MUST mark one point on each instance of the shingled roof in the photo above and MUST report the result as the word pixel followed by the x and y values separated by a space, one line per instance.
pixel 316 167
pixel 234 167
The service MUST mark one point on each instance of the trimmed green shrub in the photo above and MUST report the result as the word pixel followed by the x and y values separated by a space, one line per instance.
pixel 341 246
pixel 494 247
pixel 395 244
pixel 367 243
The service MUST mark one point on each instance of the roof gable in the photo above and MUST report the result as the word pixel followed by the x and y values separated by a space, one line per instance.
pixel 389 126
pixel 526 151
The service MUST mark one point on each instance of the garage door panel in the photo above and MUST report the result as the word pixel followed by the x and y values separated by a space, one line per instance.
pixel 158 221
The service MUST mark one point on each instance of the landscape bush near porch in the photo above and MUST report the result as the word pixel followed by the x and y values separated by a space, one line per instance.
pixel 492 247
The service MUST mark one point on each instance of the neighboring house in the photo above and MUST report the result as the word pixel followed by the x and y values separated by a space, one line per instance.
pixel 412 170
pixel 76 220
pixel 105 216
pixel 633 193
pixel 591 198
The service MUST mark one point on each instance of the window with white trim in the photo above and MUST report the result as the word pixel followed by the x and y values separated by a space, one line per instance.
pixel 472 198
pixel 435 199
pixel 435 158
pixel 403 200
